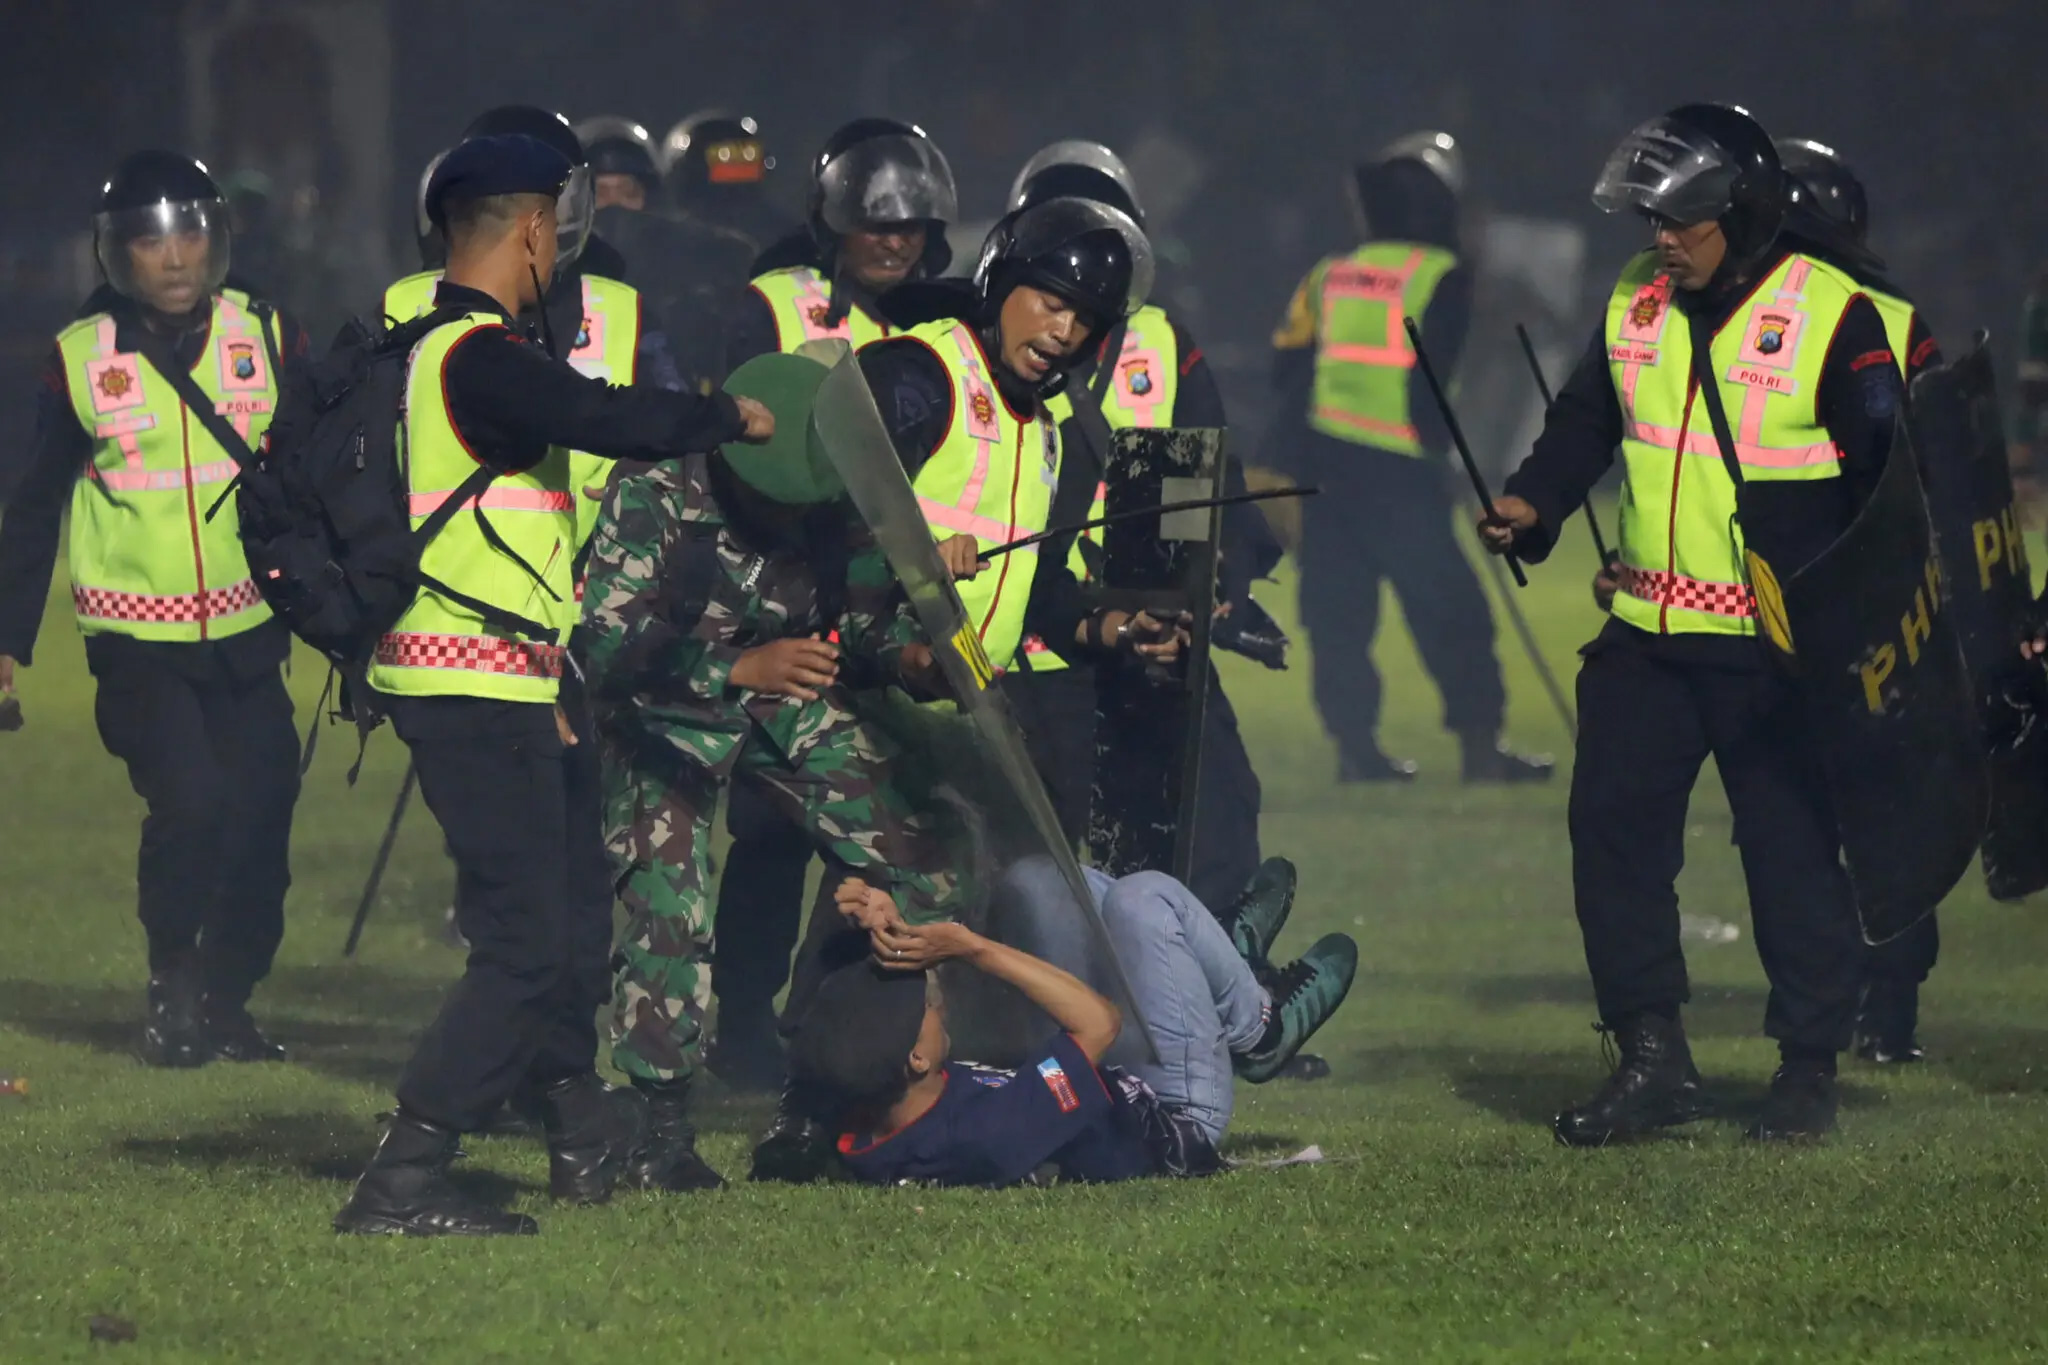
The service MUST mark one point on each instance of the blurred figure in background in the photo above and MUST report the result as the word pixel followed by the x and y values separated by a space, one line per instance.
pixel 717 169
pixel 1357 419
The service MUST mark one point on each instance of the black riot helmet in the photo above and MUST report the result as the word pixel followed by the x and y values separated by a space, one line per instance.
pixel 1411 189
pixel 877 170
pixel 1696 163
pixel 1819 180
pixel 576 206
pixel 1093 256
pixel 163 197
pixel 619 146
pixel 1078 169
pixel 712 150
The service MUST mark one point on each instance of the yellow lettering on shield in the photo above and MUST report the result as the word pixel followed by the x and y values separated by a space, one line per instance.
pixel 967 644
pixel 1875 670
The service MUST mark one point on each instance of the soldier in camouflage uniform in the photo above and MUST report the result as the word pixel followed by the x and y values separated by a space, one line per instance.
pixel 705 615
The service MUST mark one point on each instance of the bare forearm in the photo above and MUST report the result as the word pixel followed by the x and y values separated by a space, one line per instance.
pixel 1092 1020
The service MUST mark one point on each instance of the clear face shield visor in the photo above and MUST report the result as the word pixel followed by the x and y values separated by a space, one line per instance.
pixel 575 211
pixel 167 254
pixel 1666 174
pixel 1076 152
pixel 887 180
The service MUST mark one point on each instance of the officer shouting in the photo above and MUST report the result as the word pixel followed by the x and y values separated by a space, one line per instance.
pixel 1357 420
pixel 472 683
pixel 147 403
pixel 1809 391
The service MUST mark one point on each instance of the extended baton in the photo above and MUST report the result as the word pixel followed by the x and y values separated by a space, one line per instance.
pixel 1443 404
pixel 1193 505
pixel 355 930
pixel 1543 387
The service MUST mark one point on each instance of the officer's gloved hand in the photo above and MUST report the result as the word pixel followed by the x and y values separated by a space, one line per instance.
pixel 1249 629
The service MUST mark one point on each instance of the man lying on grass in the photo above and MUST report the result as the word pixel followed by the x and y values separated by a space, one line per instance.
pixel 873 1044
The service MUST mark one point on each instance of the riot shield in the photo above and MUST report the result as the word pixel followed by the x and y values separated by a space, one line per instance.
pixel 967 759
pixel 1888 702
pixel 694 279
pixel 1960 441
pixel 1148 737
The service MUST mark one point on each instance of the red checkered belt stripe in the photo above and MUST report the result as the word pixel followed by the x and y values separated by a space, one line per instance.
pixel 105 604
pixel 1690 594
pixel 478 653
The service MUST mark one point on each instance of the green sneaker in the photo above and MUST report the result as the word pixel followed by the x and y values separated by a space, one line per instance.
pixel 1305 994
pixel 1255 921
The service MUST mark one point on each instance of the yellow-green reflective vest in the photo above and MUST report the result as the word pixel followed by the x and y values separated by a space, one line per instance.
pixel 1682 554
pixel 1141 392
pixel 1898 326
pixel 800 297
pixel 606 346
pixel 991 477
pixel 144 559
pixel 1359 303
pixel 439 648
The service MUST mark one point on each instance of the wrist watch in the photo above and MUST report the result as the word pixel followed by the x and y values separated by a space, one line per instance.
pixel 1123 634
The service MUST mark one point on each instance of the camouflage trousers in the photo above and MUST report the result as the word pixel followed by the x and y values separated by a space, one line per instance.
pixel 658 819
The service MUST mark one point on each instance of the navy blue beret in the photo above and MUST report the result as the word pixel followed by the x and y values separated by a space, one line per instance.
pixel 479 167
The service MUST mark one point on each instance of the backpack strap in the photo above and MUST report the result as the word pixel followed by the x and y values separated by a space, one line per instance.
pixel 437 520
pixel 1710 394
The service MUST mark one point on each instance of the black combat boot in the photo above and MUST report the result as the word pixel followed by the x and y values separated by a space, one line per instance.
pixel 232 1036
pixel 406 1190
pixel 1486 759
pixel 1655 1085
pixel 173 1033
pixel 1888 1022
pixel 1801 1104
pixel 746 1052
pixel 668 1159
pixel 797 1149
pixel 593 1132
pixel 1374 766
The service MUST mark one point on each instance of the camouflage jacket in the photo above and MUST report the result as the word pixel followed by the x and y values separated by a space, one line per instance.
pixel 677 591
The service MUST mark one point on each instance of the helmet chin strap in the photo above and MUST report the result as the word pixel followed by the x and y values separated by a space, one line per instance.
pixel 540 302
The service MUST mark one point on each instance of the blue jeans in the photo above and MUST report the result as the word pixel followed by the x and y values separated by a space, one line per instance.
pixel 1198 997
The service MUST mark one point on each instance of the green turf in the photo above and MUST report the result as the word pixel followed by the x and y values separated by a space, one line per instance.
pixel 1444 1226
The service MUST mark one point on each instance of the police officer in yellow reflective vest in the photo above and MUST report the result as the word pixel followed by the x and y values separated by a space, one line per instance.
pixel 1148 372
pixel 1357 420
pixel 477 698
pixel 881 196
pixel 185 654
pixel 1806 375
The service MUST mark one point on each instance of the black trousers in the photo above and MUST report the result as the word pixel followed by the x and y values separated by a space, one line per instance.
pixel 1907 959
pixel 520 812
pixel 1386 518
pixel 760 901
pixel 211 747
pixel 1647 722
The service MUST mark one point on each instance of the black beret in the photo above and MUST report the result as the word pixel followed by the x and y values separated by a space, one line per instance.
pixel 479 167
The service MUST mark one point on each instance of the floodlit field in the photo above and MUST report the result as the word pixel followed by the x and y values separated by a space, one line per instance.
pixel 1444 1225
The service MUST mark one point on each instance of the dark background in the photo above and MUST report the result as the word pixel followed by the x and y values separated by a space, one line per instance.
pixel 1256 108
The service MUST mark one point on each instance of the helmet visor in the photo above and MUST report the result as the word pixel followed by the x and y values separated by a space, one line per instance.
pixel 1075 152
pixel 169 255
pixel 890 179
pixel 1045 229
pixel 575 211
pixel 1669 172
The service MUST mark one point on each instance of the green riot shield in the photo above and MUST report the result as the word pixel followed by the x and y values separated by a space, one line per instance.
pixel 1149 730
pixel 1888 701
pixel 967 759
pixel 1959 437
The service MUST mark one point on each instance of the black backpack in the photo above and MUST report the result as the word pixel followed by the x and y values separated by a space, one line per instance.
pixel 324 511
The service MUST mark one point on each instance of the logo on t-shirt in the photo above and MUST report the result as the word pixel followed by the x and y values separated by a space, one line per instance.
pixel 1055 1077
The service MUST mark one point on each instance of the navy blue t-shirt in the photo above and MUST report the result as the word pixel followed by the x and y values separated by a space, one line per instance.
pixel 993 1127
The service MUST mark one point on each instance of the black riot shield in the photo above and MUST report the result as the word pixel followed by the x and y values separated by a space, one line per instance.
pixel 1149 728
pixel 968 758
pixel 1888 702
pixel 1960 441
pixel 694 279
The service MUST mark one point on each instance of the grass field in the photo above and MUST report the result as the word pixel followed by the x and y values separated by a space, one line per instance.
pixel 1444 1226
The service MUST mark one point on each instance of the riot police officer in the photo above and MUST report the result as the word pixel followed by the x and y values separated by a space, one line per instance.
pixel 881 195
pixel 1679 672
pixel 149 401
pixel 1356 419
pixel 718 169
